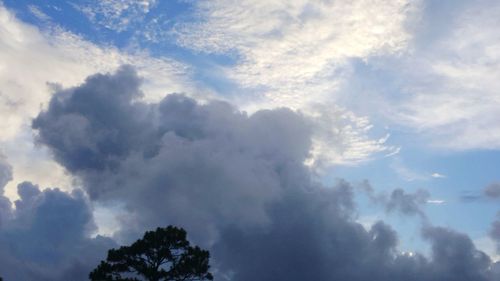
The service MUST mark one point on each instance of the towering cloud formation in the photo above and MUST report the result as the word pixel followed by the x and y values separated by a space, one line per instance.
pixel 239 185
pixel 175 161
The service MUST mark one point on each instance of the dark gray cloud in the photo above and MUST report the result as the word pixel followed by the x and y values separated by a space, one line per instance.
pixel 163 159
pixel 455 257
pixel 492 190
pixel 46 237
pixel 407 203
pixel 398 200
pixel 237 182
pixel 5 177
pixel 495 231
pixel 471 196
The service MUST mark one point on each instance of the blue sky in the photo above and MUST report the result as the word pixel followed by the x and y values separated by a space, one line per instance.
pixel 404 94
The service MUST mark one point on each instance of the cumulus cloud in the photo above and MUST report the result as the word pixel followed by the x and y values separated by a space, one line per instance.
pixel 239 158
pixel 456 257
pixel 46 237
pixel 239 185
pixel 53 57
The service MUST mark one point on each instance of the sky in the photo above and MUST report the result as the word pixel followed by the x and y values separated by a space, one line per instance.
pixel 367 128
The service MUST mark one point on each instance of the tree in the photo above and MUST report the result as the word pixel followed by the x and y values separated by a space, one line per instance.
pixel 163 254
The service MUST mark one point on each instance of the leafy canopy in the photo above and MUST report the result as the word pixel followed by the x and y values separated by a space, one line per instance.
pixel 163 254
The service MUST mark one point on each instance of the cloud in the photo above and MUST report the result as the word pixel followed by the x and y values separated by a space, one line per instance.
pixel 438 176
pixel 298 55
pixel 456 257
pixel 435 201
pixel 5 172
pixel 53 57
pixel 5 177
pixel 37 12
pixel 468 196
pixel 238 184
pixel 410 174
pixel 450 77
pixel 298 43
pixel 492 190
pixel 495 232
pixel 407 203
pixel 116 15
pixel 99 131
pixel 46 237
pixel 340 137
pixel 407 173
pixel 399 200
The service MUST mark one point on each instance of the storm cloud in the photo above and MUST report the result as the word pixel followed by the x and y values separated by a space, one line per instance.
pixel 492 190
pixel 47 236
pixel 236 182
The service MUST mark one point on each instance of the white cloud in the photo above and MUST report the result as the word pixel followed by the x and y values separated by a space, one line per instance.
pixel 411 174
pixel 116 15
pixel 30 58
pixel 340 137
pixel 406 173
pixel 35 10
pixel 296 54
pixel 487 245
pixel 438 176
pixel 453 94
pixel 292 46
pixel 435 201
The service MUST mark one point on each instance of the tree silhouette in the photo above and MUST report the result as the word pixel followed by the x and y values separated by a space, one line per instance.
pixel 163 254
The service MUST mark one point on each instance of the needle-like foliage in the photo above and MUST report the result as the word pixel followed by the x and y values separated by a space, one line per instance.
pixel 163 254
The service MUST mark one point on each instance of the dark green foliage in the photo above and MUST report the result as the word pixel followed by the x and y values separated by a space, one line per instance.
pixel 163 254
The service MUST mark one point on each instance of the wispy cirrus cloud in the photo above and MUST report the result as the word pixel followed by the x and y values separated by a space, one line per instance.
pixel 453 92
pixel 291 47
pixel 117 15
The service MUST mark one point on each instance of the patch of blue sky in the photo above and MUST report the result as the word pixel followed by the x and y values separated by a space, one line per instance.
pixel 464 176
pixel 159 23
pixel 61 12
